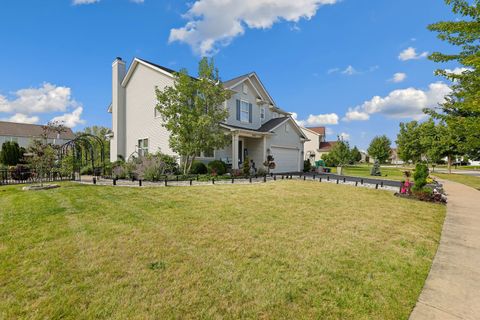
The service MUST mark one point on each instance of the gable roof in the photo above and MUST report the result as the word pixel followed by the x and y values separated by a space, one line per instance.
pixel 27 130
pixel 227 84
pixel 317 130
pixel 327 146
pixel 268 126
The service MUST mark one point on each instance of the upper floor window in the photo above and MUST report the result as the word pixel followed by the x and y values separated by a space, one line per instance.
pixel 244 111
pixel 262 113
pixel 245 88
pixel 142 147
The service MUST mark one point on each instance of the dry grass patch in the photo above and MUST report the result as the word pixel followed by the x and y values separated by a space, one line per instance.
pixel 288 249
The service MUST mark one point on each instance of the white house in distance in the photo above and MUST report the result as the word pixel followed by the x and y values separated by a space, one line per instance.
pixel 25 133
pixel 257 126
pixel 317 144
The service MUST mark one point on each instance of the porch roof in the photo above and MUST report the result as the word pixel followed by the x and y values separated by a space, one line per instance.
pixel 265 128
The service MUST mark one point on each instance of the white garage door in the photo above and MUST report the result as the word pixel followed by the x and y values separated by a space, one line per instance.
pixel 286 160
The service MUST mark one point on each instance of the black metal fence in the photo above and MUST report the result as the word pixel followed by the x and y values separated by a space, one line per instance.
pixel 26 176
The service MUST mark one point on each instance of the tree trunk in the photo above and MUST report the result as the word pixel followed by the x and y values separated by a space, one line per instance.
pixel 185 164
pixel 449 164
pixel 190 165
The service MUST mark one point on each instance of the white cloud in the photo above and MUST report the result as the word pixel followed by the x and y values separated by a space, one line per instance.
pixel 399 77
pixel 350 71
pixel 21 118
pixel 214 23
pixel 458 70
pixel 47 98
pixel 411 54
pixel 404 103
pixel 26 104
pixel 356 115
pixel 344 136
pixel 80 2
pixel 72 119
pixel 317 120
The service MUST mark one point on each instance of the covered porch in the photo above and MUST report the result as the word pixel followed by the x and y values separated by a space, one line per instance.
pixel 245 144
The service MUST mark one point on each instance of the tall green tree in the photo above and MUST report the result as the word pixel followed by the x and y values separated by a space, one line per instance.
pixel 340 154
pixel 462 106
pixel 409 144
pixel 11 153
pixel 380 148
pixel 192 110
pixel 355 155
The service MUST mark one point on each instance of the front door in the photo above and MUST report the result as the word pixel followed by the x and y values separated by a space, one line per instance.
pixel 240 151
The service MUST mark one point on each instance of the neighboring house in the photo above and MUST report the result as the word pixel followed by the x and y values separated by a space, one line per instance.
pixel 316 136
pixel 257 126
pixel 394 158
pixel 24 134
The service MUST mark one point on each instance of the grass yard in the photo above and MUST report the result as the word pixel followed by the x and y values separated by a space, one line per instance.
pixel 289 249
pixel 470 181
pixel 389 173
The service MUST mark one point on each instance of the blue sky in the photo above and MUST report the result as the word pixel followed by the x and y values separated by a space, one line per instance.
pixel 356 66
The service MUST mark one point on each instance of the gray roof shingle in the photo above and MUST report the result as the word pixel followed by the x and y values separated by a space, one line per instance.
pixel 14 129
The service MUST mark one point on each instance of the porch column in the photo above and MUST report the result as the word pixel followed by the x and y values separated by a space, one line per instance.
pixel 234 150
pixel 264 149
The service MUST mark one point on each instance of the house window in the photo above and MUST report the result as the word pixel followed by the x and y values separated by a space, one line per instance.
pixel 245 88
pixel 208 153
pixel 142 147
pixel 262 113
pixel 244 111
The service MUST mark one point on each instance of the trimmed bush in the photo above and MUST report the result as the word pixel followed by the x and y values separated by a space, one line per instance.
pixel 198 168
pixel 218 167
pixel 307 166
pixel 11 153
pixel 420 176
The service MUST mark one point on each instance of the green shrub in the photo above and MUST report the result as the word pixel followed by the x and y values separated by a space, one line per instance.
pixel 11 153
pixel 86 170
pixel 198 168
pixel 329 161
pixel 420 176
pixel 246 166
pixel 217 167
pixel 307 166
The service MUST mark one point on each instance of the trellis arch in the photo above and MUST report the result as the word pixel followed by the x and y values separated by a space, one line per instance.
pixel 85 142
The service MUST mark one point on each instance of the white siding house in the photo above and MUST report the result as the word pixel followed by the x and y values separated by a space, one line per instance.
pixel 257 126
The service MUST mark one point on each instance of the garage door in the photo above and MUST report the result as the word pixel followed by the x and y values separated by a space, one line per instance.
pixel 286 160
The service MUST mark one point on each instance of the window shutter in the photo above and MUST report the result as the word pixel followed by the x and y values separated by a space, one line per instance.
pixel 250 112
pixel 238 110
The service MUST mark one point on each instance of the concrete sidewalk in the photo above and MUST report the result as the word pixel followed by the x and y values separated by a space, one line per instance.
pixel 452 289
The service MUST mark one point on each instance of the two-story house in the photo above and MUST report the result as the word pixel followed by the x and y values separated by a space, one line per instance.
pixel 257 126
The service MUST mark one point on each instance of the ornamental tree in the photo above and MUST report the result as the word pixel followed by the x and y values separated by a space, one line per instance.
pixel 192 110
pixel 380 149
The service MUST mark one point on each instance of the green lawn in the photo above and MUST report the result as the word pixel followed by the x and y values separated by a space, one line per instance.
pixel 389 173
pixel 470 181
pixel 289 249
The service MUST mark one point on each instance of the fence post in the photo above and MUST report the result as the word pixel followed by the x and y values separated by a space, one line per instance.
pixel 328 178
pixel 381 184
pixel 356 183
pixel 94 180
pixel 337 181
pixel 376 186
pixel 274 178
pixel 233 179
pixel 114 181
pixel 320 180
pixel 190 181
pixel 361 181
pixel 139 182
pixel 250 179
pixel 166 181
pixel 265 178
pixel 313 177
pixel 213 180
pixel 344 180
pixel 304 178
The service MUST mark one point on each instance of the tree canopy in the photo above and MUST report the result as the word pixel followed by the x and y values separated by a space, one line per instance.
pixel 380 149
pixel 192 110
pixel 462 107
